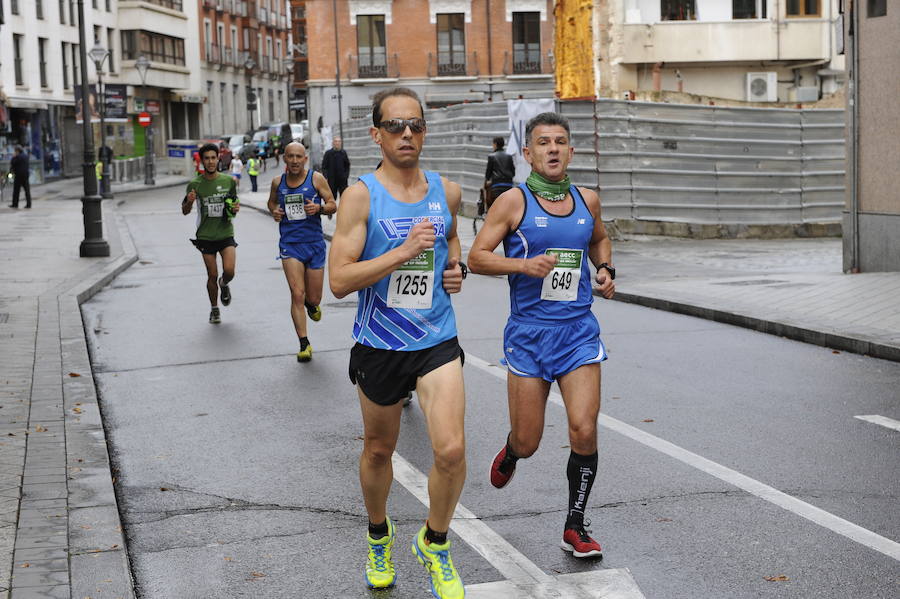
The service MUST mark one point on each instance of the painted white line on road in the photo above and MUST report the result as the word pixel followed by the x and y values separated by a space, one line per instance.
pixel 882 420
pixel 801 508
pixel 524 579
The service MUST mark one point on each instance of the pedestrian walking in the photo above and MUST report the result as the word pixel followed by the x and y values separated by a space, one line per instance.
pixel 237 167
pixel 216 194
pixel 253 171
pixel 297 201
pixel 20 170
pixel 336 167
pixel 498 176
pixel 262 154
pixel 550 229
pixel 404 269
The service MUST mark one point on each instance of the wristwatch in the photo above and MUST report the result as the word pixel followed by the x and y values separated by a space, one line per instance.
pixel 609 269
pixel 464 269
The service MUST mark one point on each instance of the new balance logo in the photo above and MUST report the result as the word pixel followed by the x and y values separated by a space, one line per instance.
pixel 398 228
pixel 541 221
pixel 580 221
pixel 434 206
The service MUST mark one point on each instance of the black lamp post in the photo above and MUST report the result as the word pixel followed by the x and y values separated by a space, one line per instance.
pixel 250 64
pixel 142 64
pixel 99 54
pixel 93 244
pixel 288 63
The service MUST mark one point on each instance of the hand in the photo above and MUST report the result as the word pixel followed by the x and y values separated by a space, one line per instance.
pixel 311 208
pixel 605 285
pixel 421 237
pixel 278 214
pixel 539 266
pixel 453 276
pixel 236 207
pixel 192 196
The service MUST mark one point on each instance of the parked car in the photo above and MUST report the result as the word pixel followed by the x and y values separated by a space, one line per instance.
pixel 239 144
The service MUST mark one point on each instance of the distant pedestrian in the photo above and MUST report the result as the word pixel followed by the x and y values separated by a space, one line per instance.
pixel 237 167
pixel 253 171
pixel 336 167
pixel 261 154
pixel 499 174
pixel 19 168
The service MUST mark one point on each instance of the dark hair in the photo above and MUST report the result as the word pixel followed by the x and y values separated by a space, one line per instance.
pixel 384 94
pixel 208 148
pixel 546 118
pixel 499 142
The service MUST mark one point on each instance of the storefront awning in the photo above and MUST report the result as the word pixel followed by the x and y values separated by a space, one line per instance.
pixel 14 102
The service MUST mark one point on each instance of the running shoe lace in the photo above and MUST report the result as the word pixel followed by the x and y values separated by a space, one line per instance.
pixel 445 564
pixel 585 530
pixel 378 557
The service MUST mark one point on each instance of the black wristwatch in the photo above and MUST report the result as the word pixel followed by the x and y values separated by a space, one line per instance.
pixel 464 269
pixel 609 269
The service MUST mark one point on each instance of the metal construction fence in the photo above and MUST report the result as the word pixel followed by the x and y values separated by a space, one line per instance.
pixel 653 162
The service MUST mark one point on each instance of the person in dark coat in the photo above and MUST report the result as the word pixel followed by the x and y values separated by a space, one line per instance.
pixel 19 168
pixel 336 167
pixel 499 174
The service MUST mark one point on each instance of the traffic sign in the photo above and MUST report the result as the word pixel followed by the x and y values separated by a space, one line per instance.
pixel 144 119
pixel 251 105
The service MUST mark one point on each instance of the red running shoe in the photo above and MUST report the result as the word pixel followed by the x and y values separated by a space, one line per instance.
pixel 580 544
pixel 502 469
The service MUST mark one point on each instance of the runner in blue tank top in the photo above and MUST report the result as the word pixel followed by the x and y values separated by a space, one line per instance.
pixel 297 199
pixel 550 229
pixel 395 244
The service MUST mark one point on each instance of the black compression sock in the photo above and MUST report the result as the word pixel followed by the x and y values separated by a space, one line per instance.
pixel 378 531
pixel 511 457
pixel 438 538
pixel 304 341
pixel 581 471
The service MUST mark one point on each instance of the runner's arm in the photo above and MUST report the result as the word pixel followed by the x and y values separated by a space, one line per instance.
pixel 502 219
pixel 329 206
pixel 453 273
pixel 346 273
pixel 272 204
pixel 187 204
pixel 600 248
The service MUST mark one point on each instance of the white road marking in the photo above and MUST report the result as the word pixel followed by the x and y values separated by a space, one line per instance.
pixel 523 578
pixel 810 512
pixel 882 420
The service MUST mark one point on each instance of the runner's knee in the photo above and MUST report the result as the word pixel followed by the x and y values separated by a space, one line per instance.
pixel 377 454
pixel 583 436
pixel 298 295
pixel 524 446
pixel 450 456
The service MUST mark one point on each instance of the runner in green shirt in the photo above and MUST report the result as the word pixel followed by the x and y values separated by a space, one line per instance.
pixel 218 204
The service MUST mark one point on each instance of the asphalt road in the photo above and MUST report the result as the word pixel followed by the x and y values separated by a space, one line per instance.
pixel 237 466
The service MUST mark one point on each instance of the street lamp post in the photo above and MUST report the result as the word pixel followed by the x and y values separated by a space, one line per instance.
pixel 288 62
pixel 142 64
pixel 250 64
pixel 99 55
pixel 93 244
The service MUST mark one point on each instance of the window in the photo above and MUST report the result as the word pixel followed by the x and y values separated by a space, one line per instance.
pixel 39 8
pixel 877 8
pixel 526 42
pixel 154 46
pixel 108 6
pixel 803 8
pixel 748 9
pixel 14 7
pixel 75 63
pixel 65 65
pixel 94 3
pixel 678 10
pixel 62 12
pixel 451 44
pixel 370 43
pixel 111 45
pixel 72 13
pixel 17 58
pixel 42 60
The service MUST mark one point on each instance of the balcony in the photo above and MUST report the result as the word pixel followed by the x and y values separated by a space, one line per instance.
pixel 210 3
pixel 527 63
pixel 228 56
pixel 452 64
pixel 220 5
pixel 375 65
pixel 213 53
pixel 739 40
pixel 263 15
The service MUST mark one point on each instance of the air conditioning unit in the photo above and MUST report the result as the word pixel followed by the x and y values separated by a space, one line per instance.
pixel 762 87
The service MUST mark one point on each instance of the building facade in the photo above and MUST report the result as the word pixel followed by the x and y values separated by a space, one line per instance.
pixel 244 66
pixel 299 101
pixel 760 51
pixel 872 213
pixel 449 51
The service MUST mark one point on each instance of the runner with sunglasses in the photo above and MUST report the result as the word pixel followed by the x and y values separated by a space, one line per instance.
pixel 550 229
pixel 395 243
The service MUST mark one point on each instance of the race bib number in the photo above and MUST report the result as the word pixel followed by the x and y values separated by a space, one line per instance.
pixel 411 285
pixel 214 208
pixel 561 285
pixel 294 207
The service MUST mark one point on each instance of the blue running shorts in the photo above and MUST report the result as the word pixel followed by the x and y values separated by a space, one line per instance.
pixel 548 351
pixel 310 254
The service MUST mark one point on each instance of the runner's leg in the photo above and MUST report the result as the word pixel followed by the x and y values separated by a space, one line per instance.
pixel 212 276
pixel 229 257
pixel 581 394
pixel 294 272
pixel 381 427
pixel 314 279
pixel 527 403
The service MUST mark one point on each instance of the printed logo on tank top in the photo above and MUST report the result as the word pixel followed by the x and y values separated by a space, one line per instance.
pixel 398 228
pixel 581 221
pixel 434 206
pixel 541 221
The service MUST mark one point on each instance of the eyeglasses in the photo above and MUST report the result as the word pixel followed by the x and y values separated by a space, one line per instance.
pixel 399 125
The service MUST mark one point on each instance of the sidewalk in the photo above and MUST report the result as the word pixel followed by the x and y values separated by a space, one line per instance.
pixel 60 534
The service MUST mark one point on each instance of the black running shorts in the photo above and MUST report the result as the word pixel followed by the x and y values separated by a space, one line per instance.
pixel 213 247
pixel 386 376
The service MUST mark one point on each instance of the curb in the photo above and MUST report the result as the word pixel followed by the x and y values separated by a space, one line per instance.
pixel 771 327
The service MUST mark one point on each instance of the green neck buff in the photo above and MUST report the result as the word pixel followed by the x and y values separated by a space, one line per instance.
pixel 552 191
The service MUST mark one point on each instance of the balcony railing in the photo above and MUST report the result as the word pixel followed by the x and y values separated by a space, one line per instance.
pixel 213 53
pixel 527 62
pixel 452 64
pixel 227 56
pixel 376 65
pixel 210 3
pixel 263 14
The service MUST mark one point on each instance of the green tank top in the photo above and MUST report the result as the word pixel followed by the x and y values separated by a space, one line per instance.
pixel 212 222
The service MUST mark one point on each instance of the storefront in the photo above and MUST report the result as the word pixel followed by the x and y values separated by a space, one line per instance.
pixel 34 125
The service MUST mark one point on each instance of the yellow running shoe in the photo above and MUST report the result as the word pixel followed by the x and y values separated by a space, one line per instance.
pixel 315 312
pixel 445 582
pixel 305 355
pixel 379 566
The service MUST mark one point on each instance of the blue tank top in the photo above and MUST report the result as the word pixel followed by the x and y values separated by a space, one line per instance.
pixel 566 292
pixel 297 226
pixel 409 309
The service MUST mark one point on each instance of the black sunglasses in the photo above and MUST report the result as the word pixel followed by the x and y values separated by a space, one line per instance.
pixel 399 125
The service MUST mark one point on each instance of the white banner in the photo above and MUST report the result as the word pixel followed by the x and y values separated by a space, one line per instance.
pixel 520 111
